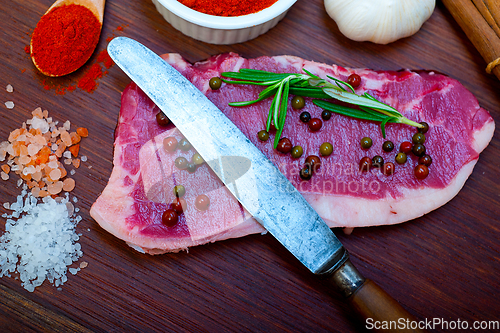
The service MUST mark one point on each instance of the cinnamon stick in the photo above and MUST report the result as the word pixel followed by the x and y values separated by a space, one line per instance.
pixel 494 8
pixel 484 8
pixel 479 32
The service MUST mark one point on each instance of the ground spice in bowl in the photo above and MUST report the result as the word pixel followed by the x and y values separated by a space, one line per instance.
pixel 228 7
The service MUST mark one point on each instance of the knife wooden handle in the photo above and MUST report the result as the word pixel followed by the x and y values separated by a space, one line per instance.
pixel 380 312
pixel 378 308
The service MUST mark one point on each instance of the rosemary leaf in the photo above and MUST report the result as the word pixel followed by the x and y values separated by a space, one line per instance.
pixel 358 100
pixel 282 115
pixel 251 82
pixel 268 92
pixel 246 103
pixel 385 121
pixel 254 75
pixel 270 116
pixel 347 111
pixel 310 74
pixel 309 85
pixel 308 92
pixel 341 84
pixel 276 109
pixel 272 89
pixel 372 112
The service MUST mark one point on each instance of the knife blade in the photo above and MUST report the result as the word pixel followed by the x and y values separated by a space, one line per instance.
pixel 255 182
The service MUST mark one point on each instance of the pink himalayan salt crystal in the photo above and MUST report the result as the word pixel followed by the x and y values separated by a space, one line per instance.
pixel 37 113
pixel 39 140
pixel 55 188
pixel 25 159
pixel 55 174
pixel 66 138
pixel 35 191
pixel 37 176
pixel 67 125
pixel 68 184
pixel 33 149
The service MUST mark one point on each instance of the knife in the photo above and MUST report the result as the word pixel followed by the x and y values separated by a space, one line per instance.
pixel 257 184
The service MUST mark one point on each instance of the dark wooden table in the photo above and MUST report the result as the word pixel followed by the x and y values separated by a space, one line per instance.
pixel 443 266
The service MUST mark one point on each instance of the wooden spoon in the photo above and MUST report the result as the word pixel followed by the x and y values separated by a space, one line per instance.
pixel 36 49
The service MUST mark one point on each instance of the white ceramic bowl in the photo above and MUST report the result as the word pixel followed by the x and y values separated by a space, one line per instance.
pixel 219 29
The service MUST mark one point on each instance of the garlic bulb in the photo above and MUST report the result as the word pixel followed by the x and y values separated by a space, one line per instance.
pixel 381 21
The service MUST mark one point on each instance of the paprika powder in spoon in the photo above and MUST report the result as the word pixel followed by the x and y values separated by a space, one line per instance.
pixel 66 36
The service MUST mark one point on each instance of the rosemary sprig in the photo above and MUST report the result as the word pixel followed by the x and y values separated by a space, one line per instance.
pixel 309 85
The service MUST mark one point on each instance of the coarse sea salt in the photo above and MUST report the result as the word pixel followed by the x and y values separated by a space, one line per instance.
pixel 40 241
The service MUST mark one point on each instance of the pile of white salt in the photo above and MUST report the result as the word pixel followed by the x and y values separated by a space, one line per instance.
pixel 40 241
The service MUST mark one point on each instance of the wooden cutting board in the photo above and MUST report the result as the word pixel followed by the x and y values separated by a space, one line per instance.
pixel 443 266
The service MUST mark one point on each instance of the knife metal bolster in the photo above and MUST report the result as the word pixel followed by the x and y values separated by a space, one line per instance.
pixel 347 278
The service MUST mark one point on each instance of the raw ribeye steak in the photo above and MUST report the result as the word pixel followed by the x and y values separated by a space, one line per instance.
pixel 141 184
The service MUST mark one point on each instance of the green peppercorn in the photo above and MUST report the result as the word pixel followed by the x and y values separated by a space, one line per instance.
pixel 184 144
pixel 215 83
pixel 418 138
pixel 263 135
pixel 179 191
pixel 366 142
pixel 425 128
pixel 401 158
pixel 197 159
pixel 326 149
pixel 181 163
pixel 298 102
pixel 418 149
pixel 191 168
pixel 387 146
pixel 297 151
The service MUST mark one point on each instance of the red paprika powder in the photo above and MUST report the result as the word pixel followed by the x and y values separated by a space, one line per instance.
pixel 88 81
pixel 227 7
pixel 64 39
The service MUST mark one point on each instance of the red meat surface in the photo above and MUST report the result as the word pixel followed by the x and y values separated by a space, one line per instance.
pixel 140 186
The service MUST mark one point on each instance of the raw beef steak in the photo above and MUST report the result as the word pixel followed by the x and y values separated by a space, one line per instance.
pixel 141 184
